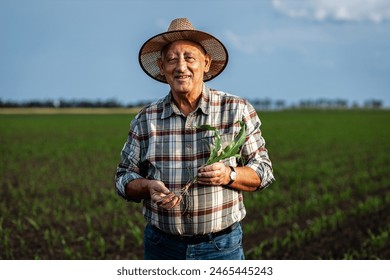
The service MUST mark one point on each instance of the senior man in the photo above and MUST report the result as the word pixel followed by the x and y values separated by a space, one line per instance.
pixel 166 149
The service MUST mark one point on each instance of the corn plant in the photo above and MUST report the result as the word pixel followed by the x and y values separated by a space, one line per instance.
pixel 232 150
pixel 216 154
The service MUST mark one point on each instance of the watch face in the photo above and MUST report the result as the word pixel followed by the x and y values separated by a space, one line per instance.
pixel 233 175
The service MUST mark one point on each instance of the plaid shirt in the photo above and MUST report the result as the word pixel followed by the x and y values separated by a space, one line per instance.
pixel 165 145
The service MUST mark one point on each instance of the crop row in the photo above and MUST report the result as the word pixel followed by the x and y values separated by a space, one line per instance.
pixel 330 200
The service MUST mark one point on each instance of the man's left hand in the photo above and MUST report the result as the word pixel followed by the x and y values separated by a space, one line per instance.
pixel 215 174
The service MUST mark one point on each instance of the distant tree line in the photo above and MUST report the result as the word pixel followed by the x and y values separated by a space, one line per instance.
pixel 321 103
pixel 260 104
pixel 83 103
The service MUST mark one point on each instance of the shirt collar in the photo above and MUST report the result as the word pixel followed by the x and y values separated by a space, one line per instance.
pixel 169 107
pixel 204 103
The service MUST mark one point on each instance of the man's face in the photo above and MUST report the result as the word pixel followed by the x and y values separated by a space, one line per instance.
pixel 183 64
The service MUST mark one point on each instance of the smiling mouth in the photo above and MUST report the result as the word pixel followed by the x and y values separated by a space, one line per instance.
pixel 182 77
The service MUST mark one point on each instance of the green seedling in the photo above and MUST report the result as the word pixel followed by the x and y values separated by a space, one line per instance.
pixel 232 150
pixel 217 153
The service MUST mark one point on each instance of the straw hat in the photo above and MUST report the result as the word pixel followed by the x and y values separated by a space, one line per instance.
pixel 182 29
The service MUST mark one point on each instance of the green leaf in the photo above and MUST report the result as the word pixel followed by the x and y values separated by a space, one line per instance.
pixel 214 151
pixel 33 223
pixel 231 149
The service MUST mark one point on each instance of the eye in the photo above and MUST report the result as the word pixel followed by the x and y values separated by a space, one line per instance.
pixel 171 60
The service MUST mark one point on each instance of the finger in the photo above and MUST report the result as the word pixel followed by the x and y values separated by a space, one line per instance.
pixel 215 167
pixel 165 199
pixel 211 174
pixel 159 187
pixel 215 179
pixel 205 175
pixel 205 180
pixel 169 201
pixel 172 203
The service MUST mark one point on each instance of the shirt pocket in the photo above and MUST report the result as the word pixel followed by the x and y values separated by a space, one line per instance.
pixel 168 158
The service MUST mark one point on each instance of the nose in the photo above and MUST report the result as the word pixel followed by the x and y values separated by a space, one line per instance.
pixel 181 65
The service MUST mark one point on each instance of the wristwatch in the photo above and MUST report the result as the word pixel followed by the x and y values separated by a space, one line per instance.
pixel 233 175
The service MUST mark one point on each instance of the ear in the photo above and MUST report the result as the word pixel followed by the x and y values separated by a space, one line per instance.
pixel 207 60
pixel 160 66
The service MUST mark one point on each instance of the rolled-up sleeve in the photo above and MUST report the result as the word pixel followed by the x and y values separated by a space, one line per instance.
pixel 254 150
pixel 127 170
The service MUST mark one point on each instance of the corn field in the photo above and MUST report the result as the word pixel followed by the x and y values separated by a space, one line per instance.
pixel 331 199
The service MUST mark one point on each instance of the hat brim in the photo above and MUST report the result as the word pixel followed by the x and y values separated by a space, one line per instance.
pixel 150 52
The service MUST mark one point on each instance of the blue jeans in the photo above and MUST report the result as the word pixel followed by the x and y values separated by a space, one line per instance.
pixel 161 246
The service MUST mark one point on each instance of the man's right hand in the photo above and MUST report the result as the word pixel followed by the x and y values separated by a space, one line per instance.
pixel 161 195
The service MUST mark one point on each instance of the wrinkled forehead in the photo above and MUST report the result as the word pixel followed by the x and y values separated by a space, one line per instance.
pixel 182 43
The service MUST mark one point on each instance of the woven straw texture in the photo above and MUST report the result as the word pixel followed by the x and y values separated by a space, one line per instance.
pixel 182 29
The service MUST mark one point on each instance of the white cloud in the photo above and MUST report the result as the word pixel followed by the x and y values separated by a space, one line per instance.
pixel 270 40
pixel 339 10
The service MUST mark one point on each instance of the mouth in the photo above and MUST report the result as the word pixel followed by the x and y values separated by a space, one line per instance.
pixel 182 77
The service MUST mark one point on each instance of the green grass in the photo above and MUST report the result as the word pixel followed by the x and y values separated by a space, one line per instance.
pixel 330 201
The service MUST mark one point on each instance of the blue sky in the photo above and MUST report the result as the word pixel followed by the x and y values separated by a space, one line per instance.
pixel 279 49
